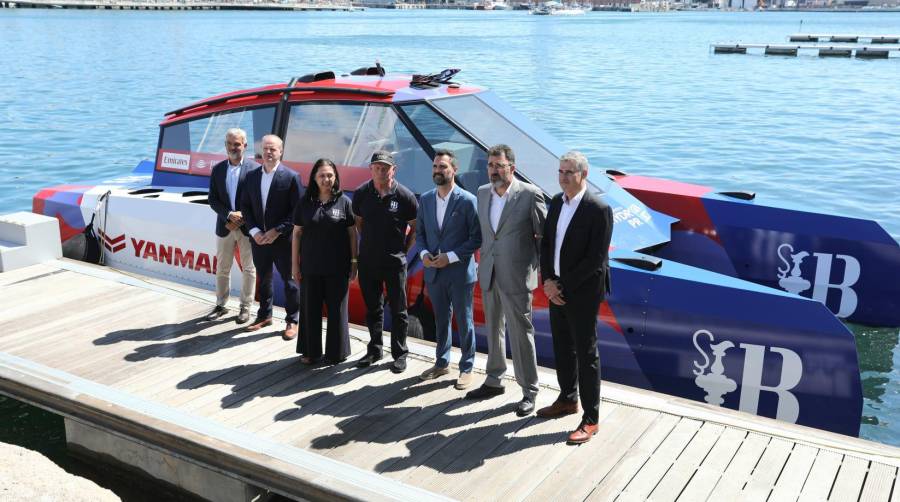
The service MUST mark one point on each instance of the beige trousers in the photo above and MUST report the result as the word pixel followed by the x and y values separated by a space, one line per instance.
pixel 225 257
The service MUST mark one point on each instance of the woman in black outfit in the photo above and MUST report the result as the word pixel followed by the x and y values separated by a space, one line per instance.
pixel 324 256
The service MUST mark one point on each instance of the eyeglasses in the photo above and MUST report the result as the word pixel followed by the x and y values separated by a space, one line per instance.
pixel 498 166
pixel 568 173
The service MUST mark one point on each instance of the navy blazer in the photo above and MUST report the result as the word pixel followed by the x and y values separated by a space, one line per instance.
pixel 218 193
pixel 584 254
pixel 460 233
pixel 284 195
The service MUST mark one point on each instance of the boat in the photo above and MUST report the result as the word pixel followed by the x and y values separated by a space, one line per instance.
pixel 718 296
pixel 554 8
pixel 498 5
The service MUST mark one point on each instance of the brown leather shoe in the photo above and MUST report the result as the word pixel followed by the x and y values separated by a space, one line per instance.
pixel 559 408
pixel 259 324
pixel 583 433
pixel 290 331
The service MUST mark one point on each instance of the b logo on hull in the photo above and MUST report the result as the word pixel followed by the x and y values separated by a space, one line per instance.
pixel 716 384
pixel 790 277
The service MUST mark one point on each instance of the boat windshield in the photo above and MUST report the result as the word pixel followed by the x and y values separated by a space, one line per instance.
pixel 491 121
pixel 440 134
pixel 194 146
pixel 348 133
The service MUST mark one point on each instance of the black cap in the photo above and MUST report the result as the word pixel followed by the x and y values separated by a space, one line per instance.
pixel 382 156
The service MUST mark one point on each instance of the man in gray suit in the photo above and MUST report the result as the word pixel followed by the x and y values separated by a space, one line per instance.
pixel 511 214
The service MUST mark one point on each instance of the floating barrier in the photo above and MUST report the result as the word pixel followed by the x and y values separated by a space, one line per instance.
pixel 817 37
pixel 859 51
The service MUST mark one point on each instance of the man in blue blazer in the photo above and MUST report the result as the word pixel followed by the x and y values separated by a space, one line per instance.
pixel 448 236
pixel 225 190
pixel 271 194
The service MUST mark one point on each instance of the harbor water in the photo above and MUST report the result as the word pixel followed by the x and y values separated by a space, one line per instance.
pixel 83 92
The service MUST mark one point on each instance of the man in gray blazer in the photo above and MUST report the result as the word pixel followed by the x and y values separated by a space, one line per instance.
pixel 511 214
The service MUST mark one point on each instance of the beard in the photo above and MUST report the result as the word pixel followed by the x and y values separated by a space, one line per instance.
pixel 439 179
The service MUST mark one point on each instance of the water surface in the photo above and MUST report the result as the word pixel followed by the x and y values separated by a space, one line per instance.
pixel 83 92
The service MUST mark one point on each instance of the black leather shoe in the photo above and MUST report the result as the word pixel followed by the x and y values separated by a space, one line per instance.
pixel 399 365
pixel 216 313
pixel 243 317
pixel 368 360
pixel 525 407
pixel 484 392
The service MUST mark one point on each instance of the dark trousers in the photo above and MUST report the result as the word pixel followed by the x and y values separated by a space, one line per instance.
pixel 279 254
pixel 332 291
pixel 574 328
pixel 372 283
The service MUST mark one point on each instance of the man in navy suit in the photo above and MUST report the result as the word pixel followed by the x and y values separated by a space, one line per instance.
pixel 448 235
pixel 575 269
pixel 271 194
pixel 225 190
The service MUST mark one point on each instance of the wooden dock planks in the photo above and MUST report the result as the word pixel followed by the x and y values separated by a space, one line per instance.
pixel 154 345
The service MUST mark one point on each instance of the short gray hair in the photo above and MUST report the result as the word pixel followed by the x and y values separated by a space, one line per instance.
pixel 577 158
pixel 275 137
pixel 236 132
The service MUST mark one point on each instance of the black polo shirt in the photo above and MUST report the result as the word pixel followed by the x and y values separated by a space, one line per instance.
pixel 325 245
pixel 385 221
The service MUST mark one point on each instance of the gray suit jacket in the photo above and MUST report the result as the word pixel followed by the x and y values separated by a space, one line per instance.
pixel 510 256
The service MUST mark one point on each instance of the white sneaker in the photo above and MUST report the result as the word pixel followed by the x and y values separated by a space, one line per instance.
pixel 464 381
pixel 433 372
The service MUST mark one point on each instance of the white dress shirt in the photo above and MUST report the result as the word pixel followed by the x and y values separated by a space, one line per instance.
pixel 569 206
pixel 265 183
pixel 231 183
pixel 441 209
pixel 497 203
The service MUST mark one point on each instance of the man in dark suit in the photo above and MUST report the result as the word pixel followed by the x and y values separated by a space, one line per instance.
pixel 448 235
pixel 225 190
pixel 271 194
pixel 575 269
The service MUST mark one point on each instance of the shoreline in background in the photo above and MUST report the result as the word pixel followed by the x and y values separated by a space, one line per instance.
pixel 348 6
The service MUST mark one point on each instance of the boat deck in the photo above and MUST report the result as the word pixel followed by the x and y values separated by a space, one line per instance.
pixel 132 356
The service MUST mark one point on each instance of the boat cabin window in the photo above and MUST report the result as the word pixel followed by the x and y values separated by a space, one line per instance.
pixel 348 134
pixel 534 161
pixel 194 146
pixel 441 134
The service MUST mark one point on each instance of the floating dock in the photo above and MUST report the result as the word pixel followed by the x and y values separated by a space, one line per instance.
pixel 821 50
pixel 145 382
pixel 829 37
